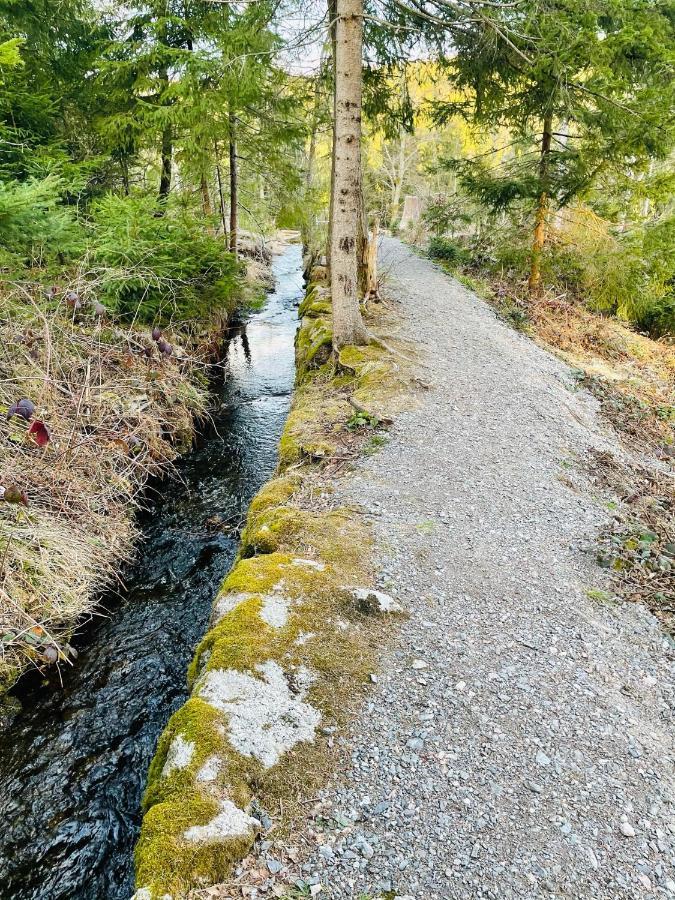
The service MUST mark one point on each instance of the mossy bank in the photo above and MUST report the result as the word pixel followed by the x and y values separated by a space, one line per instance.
pixel 293 632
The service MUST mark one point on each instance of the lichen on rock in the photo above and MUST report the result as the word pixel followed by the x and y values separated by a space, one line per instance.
pixel 288 646
pixel 229 822
pixel 265 718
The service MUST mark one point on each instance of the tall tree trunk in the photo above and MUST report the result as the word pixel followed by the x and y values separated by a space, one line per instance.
pixel 207 209
pixel 362 241
pixel 124 165
pixel 167 131
pixel 309 223
pixel 347 225
pixel 233 184
pixel 221 197
pixel 399 173
pixel 371 286
pixel 541 215
pixel 167 154
pixel 332 29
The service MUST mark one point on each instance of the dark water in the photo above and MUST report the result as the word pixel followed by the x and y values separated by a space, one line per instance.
pixel 73 765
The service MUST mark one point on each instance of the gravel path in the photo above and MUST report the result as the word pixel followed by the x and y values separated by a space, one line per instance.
pixel 516 743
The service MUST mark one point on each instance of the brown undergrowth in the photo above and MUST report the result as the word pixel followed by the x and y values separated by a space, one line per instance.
pixel 113 417
pixel 632 375
pixel 633 378
pixel 638 546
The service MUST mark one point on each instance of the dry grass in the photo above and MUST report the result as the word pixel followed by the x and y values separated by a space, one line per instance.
pixel 632 375
pixel 115 417
pixel 638 546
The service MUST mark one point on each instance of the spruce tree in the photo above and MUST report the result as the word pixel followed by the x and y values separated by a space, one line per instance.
pixel 581 85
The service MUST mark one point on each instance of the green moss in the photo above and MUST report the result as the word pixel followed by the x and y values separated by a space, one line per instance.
pixel 313 343
pixel 315 304
pixel 167 864
pixel 311 295
pixel 312 425
pixel 257 575
pixel 241 640
pixel 331 536
pixel 272 496
pixel 377 379
pixel 200 724
pixel 275 493
pixel 269 530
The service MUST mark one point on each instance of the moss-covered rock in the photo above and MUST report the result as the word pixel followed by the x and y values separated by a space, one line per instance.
pixel 315 303
pixel 169 863
pixel 288 644
pixel 376 374
pixel 314 343
pixel 313 424
pixel 276 492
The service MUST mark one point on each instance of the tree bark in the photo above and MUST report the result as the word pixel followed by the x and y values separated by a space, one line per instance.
pixel 233 184
pixel 309 223
pixel 347 224
pixel 221 197
pixel 167 154
pixel 371 286
pixel 398 178
pixel 541 215
pixel 332 29
pixel 206 197
pixel 167 131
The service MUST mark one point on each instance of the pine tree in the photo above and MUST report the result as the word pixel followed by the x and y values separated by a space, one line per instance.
pixel 580 84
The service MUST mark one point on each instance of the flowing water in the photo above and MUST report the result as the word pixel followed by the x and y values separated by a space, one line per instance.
pixel 73 764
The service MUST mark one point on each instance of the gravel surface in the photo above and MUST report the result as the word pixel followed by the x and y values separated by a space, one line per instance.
pixel 517 739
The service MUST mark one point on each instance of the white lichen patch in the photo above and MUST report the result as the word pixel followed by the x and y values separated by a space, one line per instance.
pixel 274 611
pixel 226 603
pixel 146 894
pixel 179 755
pixel 265 717
pixel 303 637
pixel 209 771
pixel 229 822
pixel 302 679
pixel 380 602
pixel 309 563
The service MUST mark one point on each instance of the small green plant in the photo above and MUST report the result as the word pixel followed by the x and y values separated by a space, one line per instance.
pixel 447 251
pixel 515 315
pixel 362 420
pixel 599 596
pixel 376 442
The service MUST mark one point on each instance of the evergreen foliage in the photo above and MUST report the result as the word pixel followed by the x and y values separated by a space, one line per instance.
pixel 115 125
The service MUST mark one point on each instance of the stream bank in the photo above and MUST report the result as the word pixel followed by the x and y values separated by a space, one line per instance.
pixel 291 642
pixel 73 763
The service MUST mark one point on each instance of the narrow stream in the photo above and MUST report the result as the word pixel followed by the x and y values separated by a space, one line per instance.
pixel 73 764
